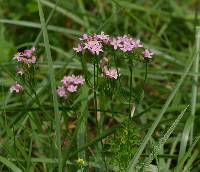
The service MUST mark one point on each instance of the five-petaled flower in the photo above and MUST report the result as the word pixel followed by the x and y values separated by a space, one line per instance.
pixel 111 73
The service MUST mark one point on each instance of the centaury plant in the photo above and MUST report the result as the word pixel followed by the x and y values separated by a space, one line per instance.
pixel 90 96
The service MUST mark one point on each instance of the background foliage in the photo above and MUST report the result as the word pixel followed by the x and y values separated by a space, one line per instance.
pixel 29 136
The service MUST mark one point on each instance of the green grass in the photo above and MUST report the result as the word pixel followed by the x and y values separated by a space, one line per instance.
pixel 40 132
pixel 53 86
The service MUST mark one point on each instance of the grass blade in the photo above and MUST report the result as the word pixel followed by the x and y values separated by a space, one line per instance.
pixel 59 29
pixel 185 137
pixel 9 164
pixel 97 139
pixel 53 85
pixel 81 134
pixel 195 80
pixel 187 154
pixel 37 40
pixel 64 12
pixel 188 129
pixel 162 141
pixel 191 160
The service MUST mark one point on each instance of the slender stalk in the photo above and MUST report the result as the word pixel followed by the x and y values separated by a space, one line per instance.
pixel 130 87
pixel 53 86
pixel 195 69
pixel 146 72
pixel 98 121
pixel 95 94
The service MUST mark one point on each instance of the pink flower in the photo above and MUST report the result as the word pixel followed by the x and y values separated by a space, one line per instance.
pixel 76 80
pixel 70 84
pixel 16 88
pixel 28 53
pixel 18 56
pixel 67 80
pixel 79 80
pixel 147 54
pixel 127 47
pixel 102 37
pixel 32 60
pixel 111 73
pixel 84 37
pixel 61 91
pixel 78 49
pixel 94 46
pixel 72 88
pixel 116 43
pixel 125 43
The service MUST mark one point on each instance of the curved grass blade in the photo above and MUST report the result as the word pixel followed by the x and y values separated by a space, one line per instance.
pixel 65 31
pixel 53 85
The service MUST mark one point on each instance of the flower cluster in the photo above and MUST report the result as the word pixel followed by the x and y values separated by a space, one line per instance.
pixel 94 44
pixel 69 85
pixel 16 88
pixel 108 73
pixel 125 43
pixel 26 57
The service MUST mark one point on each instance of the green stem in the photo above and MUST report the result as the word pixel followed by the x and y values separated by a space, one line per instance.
pixel 130 87
pixel 95 94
